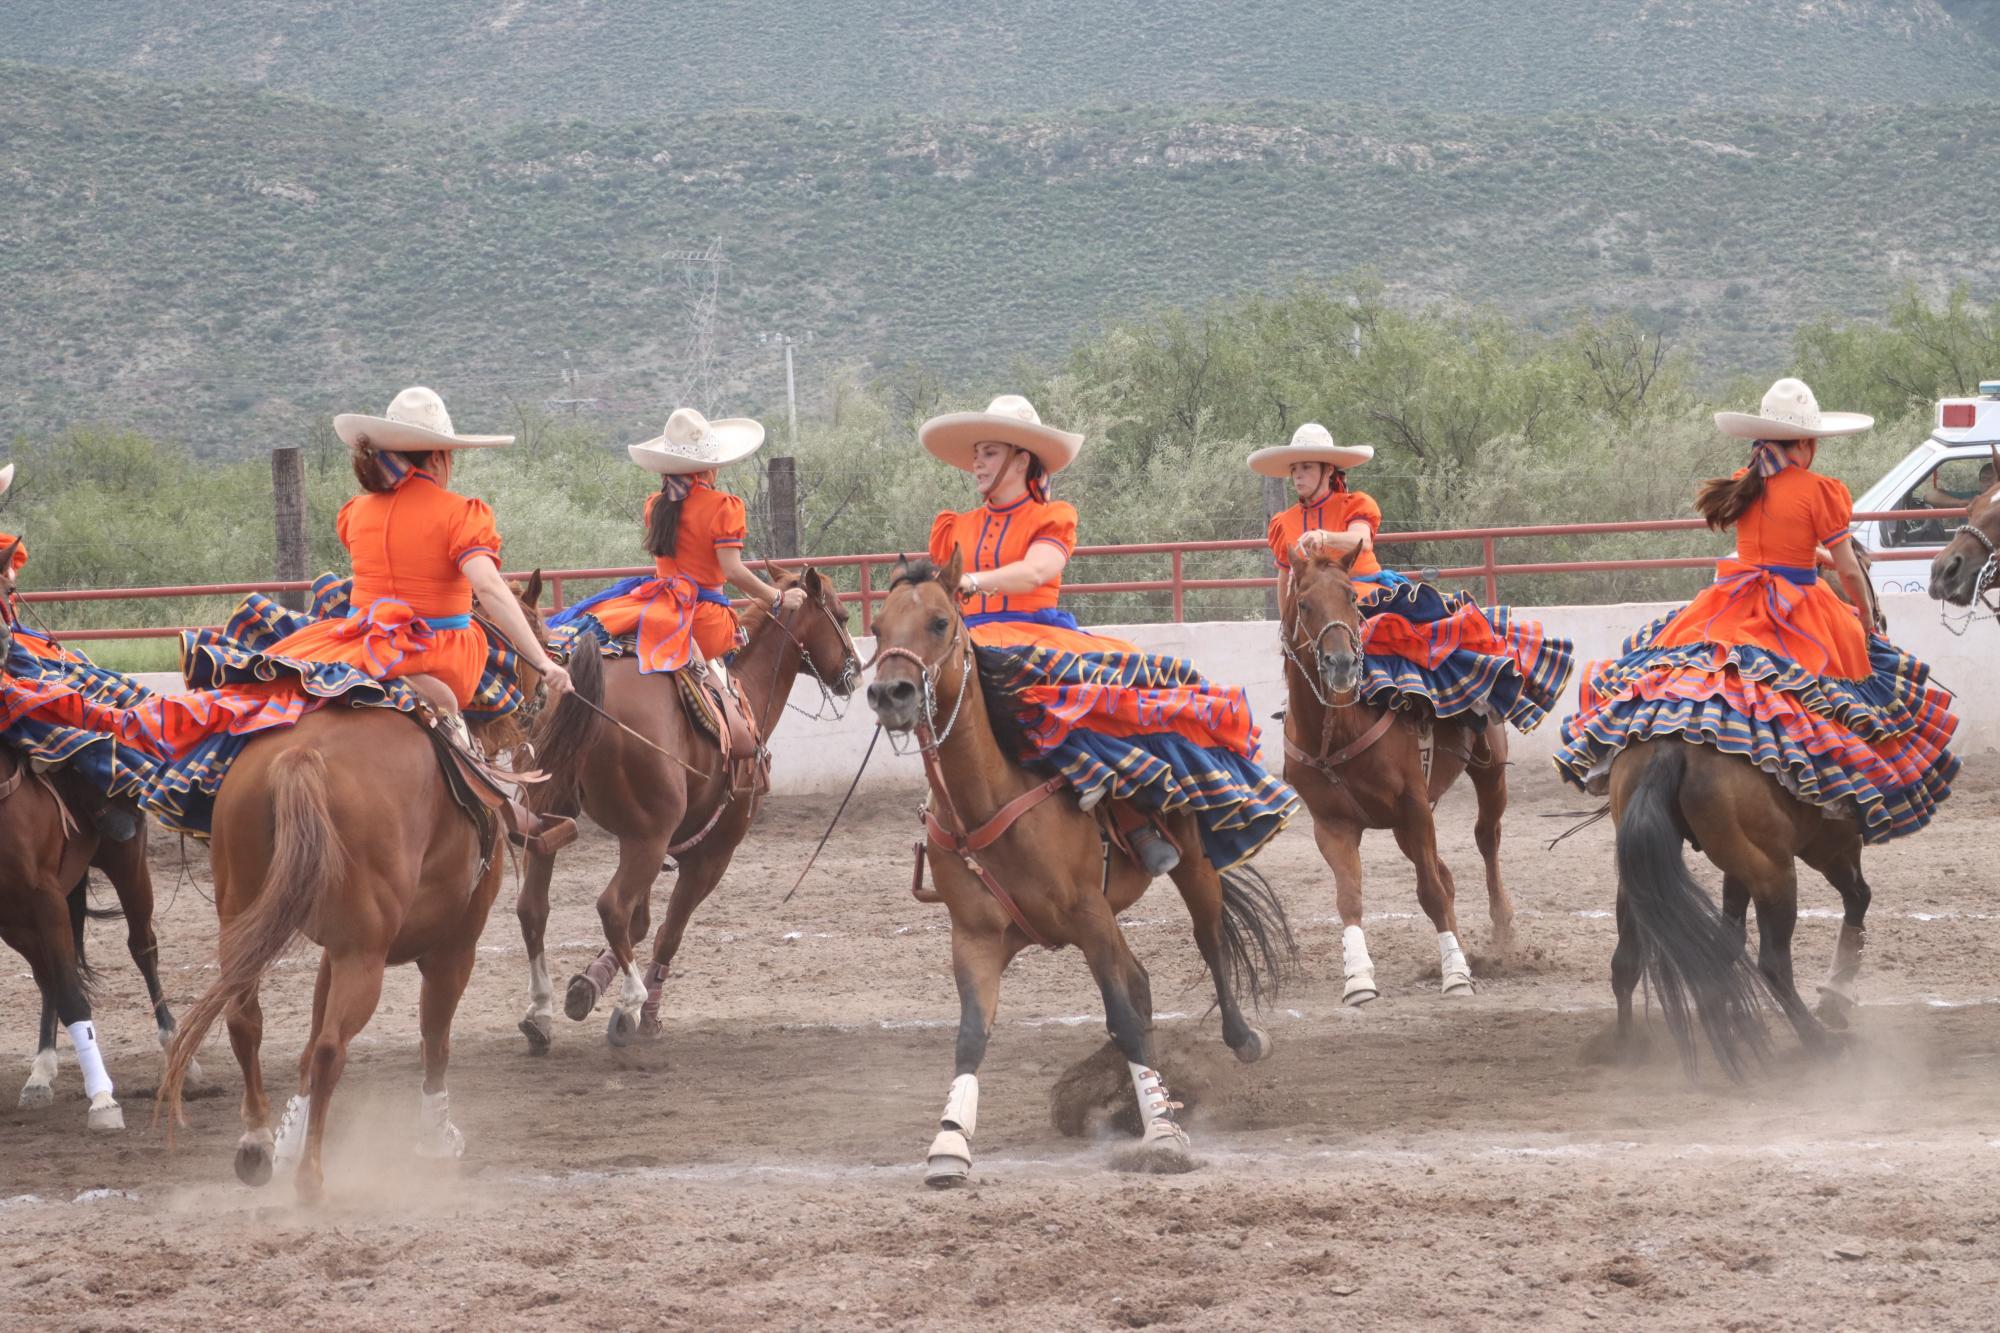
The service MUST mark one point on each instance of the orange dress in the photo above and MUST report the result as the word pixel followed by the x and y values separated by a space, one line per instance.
pixel 412 599
pixel 1769 595
pixel 994 535
pixel 1333 514
pixel 684 606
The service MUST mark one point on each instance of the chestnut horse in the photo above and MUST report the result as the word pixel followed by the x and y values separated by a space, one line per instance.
pixel 662 787
pixel 1965 572
pixel 341 828
pixel 1031 867
pixel 1361 766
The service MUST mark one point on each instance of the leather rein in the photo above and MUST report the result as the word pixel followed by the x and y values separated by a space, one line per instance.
pixel 1328 762
pixel 949 832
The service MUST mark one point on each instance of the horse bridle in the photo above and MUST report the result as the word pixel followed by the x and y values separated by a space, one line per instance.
pixel 927 674
pixel 1982 584
pixel 833 704
pixel 1315 647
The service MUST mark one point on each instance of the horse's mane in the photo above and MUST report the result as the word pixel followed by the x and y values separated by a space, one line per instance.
pixel 998 681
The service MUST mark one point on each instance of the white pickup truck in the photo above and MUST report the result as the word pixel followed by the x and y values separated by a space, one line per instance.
pixel 1944 472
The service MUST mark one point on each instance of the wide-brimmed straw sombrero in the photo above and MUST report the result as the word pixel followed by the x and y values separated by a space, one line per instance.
pixel 693 443
pixel 1311 443
pixel 415 422
pixel 1790 412
pixel 6 478
pixel 1008 419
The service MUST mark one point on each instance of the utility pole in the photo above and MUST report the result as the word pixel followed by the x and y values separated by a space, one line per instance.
pixel 288 496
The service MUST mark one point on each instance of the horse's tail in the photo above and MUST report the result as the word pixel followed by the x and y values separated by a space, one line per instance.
pixel 1693 954
pixel 566 731
pixel 1257 944
pixel 306 864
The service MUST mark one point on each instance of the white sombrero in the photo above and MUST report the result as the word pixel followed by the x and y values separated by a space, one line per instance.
pixel 693 443
pixel 1311 443
pixel 1008 419
pixel 415 422
pixel 1790 412
pixel 6 478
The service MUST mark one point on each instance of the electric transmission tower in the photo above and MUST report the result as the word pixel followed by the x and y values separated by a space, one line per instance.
pixel 699 293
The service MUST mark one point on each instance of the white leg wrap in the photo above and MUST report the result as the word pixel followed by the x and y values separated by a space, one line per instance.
pixel 436 1135
pixel 1455 974
pixel 83 1036
pixel 961 1108
pixel 632 993
pixel 291 1140
pixel 1358 967
pixel 541 995
pixel 1152 1090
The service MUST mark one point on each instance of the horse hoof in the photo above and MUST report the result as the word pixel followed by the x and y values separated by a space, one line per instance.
pixel 540 1037
pixel 1357 995
pixel 1834 1009
pixel 105 1114
pixel 1255 1047
pixel 1457 986
pixel 620 1031
pixel 253 1163
pixel 651 1028
pixel 442 1143
pixel 580 999
pixel 945 1173
pixel 37 1094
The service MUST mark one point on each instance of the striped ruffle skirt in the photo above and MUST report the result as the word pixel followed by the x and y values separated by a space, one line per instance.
pixel 1458 657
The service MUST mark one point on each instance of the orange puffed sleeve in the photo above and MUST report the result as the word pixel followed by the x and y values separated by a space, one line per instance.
pixel 1835 512
pixel 732 526
pixel 473 532
pixel 943 528
pixel 340 522
pixel 1362 506
pixel 1057 528
pixel 1278 537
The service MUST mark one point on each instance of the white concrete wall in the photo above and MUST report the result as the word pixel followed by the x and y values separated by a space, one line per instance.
pixel 820 757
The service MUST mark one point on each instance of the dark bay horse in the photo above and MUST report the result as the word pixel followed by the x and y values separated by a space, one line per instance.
pixel 341 829
pixel 1358 766
pixel 665 789
pixel 124 865
pixel 1032 869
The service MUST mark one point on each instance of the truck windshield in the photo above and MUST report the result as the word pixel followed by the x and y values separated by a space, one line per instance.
pixel 1952 484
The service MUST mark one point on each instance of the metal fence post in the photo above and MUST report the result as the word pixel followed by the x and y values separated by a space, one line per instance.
pixel 1492 574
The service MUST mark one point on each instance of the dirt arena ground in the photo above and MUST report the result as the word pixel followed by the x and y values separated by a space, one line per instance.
pixel 1420 1163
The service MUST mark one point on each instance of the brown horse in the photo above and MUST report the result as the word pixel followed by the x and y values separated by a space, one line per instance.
pixel 1358 766
pixel 1965 572
pixel 1025 865
pixel 341 829
pixel 660 786
pixel 124 865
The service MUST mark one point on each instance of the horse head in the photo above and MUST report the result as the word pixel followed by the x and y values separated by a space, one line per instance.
pixel 1964 569
pixel 1322 619
pixel 819 629
pixel 505 735
pixel 922 650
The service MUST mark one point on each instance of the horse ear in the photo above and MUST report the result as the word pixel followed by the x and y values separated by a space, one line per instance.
pixel 533 594
pixel 954 570
pixel 1348 557
pixel 812 581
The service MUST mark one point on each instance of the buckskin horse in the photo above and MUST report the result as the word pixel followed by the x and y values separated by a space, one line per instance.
pixel 344 829
pixel 1361 766
pixel 1018 862
pixel 661 786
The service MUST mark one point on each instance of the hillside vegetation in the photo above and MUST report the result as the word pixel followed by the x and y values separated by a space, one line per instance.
pixel 216 264
pixel 605 61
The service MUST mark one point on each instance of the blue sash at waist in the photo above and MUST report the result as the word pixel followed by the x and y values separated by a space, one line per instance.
pixel 447 622
pixel 1051 615
pixel 1793 574
pixel 707 594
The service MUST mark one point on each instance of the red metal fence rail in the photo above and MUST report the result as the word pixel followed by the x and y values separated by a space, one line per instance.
pixel 870 590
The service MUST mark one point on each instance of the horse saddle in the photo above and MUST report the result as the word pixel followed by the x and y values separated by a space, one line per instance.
pixel 482 790
pixel 719 711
